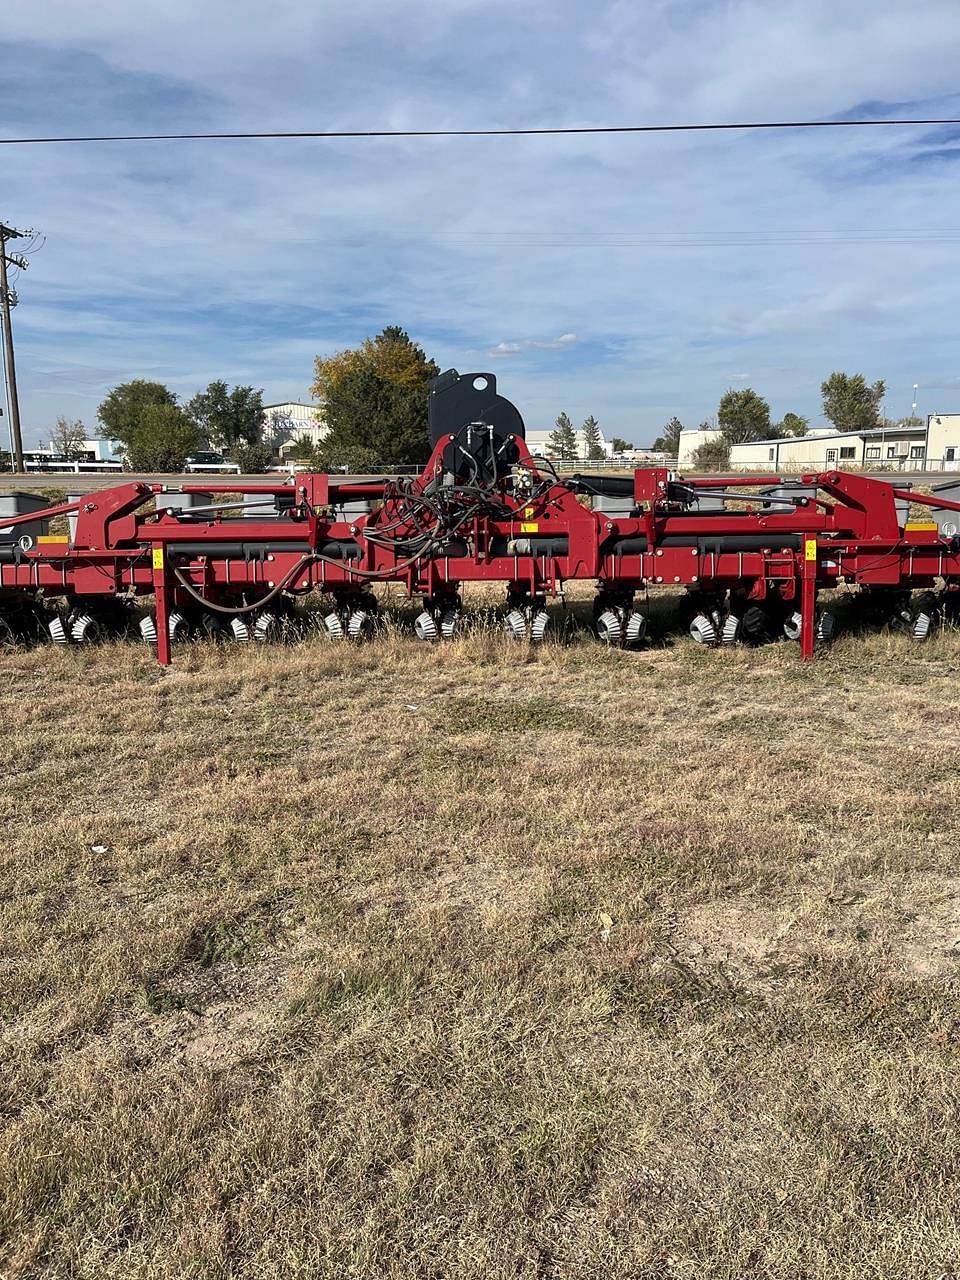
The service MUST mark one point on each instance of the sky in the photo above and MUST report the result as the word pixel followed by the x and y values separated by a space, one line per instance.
pixel 631 277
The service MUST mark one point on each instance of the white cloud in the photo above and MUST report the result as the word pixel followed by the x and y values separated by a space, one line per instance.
pixel 679 257
pixel 533 344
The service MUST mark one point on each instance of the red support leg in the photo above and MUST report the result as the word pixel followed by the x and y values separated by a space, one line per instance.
pixel 808 599
pixel 162 598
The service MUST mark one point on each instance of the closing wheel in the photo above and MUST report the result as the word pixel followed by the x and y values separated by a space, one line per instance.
pixel 705 629
pixel 84 628
pixel 58 631
pixel 610 627
pixel 425 627
pixel 266 627
pixel 541 626
pixel 333 626
pixel 361 624
pixel 924 616
pixel 451 621
pixel 635 630
pixel 515 624
pixel 178 628
pixel 730 631
pixel 824 631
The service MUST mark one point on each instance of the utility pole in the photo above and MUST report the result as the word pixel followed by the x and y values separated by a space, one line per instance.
pixel 11 233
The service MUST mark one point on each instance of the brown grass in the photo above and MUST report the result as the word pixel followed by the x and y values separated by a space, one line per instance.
pixel 339 996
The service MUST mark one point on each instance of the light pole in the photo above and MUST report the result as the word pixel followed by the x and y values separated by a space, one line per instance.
pixel 913 407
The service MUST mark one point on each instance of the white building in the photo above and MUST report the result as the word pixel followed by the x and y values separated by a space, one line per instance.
pixel 902 449
pixel 90 455
pixel 690 441
pixel 284 423
pixel 538 442
pixel 934 447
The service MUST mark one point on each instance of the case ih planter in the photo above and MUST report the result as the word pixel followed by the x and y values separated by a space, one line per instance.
pixel 751 560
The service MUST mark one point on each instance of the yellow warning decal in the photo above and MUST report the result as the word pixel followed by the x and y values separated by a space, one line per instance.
pixel 922 526
pixel 158 557
pixel 529 526
pixel 51 540
pixel 810 549
pixel 528 512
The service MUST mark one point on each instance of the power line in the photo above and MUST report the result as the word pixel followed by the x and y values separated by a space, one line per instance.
pixel 479 133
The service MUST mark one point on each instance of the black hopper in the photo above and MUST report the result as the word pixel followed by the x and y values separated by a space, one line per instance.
pixel 483 425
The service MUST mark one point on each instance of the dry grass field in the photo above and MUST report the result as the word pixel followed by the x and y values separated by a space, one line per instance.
pixel 480 962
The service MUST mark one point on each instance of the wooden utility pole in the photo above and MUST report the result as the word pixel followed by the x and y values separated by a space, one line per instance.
pixel 11 233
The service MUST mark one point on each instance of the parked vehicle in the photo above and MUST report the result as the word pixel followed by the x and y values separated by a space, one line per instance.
pixel 206 460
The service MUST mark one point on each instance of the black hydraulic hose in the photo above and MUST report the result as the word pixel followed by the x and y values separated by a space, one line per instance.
pixel 232 610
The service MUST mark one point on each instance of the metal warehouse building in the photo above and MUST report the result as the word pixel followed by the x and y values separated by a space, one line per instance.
pixel 935 447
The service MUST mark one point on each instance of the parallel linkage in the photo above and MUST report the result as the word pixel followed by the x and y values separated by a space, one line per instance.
pixel 231 559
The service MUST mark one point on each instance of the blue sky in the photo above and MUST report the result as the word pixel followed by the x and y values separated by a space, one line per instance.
pixel 630 277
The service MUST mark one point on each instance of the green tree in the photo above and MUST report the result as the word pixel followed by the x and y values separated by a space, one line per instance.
pixel 376 402
pixel 252 459
pixel 163 438
pixel 592 447
pixel 619 445
pixel 302 447
pixel 744 415
pixel 562 441
pixel 850 402
pixel 121 412
pixel 791 424
pixel 669 441
pixel 226 419
pixel 712 455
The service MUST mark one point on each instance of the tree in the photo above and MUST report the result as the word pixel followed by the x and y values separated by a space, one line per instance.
pixel 791 424
pixel 850 402
pixel 67 438
pixel 744 415
pixel 669 442
pixel 911 420
pixel 376 401
pixel 302 447
pixel 121 412
pixel 226 419
pixel 619 445
pixel 712 455
pixel 252 459
pixel 562 442
pixel 163 438
pixel 592 447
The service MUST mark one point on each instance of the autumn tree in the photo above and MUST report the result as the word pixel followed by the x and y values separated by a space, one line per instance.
pixel 67 438
pixel 562 441
pixel 851 403
pixel 375 401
